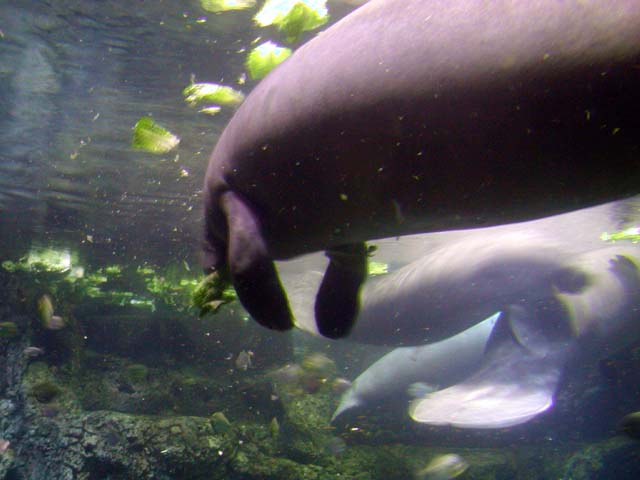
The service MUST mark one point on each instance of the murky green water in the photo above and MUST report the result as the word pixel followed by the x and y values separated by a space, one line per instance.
pixel 133 384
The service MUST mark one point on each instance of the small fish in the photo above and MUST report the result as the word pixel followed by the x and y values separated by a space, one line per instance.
pixel 33 352
pixel 4 445
pixel 47 318
pixel 56 323
pixel 220 423
pixel 311 383
pixel 274 428
pixel 443 467
pixel 309 376
pixel 340 385
pixel 319 363
pixel 243 360
pixel 288 375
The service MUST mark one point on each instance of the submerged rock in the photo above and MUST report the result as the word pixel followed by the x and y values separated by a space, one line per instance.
pixel 220 423
pixel 44 392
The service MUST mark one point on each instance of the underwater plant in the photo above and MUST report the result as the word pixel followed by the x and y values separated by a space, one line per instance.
pixel 137 372
pixel 44 391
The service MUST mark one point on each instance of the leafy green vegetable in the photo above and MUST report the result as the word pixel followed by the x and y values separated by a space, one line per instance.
pixel 43 259
pixel 217 6
pixel 378 268
pixel 264 58
pixel 212 292
pixel 292 17
pixel 212 93
pixel 632 234
pixel 212 110
pixel 151 137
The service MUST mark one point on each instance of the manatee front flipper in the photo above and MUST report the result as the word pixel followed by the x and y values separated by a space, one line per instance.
pixel 337 301
pixel 512 387
pixel 252 270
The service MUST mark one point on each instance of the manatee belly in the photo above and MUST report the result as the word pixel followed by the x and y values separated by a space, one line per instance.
pixel 418 116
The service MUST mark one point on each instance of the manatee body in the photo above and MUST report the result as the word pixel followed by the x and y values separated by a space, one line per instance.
pixel 440 284
pixel 410 116
pixel 574 304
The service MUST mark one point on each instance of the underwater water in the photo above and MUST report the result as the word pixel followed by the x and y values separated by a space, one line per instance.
pixel 106 369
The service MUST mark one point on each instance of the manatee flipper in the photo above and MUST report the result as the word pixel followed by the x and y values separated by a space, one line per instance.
pixel 253 273
pixel 337 300
pixel 511 388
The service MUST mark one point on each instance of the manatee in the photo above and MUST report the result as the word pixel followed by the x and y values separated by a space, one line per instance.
pixel 443 283
pixel 521 373
pixel 440 364
pixel 409 116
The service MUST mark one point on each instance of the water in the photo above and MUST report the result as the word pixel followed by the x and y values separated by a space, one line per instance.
pixel 76 77
pixel 129 387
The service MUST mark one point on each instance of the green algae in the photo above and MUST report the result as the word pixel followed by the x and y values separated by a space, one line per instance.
pixel 44 392
pixel 8 330
pixel 137 372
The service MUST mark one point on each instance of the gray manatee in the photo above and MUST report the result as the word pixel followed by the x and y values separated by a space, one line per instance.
pixel 412 116
pixel 443 283
pixel 439 364
pixel 521 372
pixel 578 297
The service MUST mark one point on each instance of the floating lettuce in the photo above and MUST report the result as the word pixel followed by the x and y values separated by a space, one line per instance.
pixel 151 137
pixel 217 6
pixel 211 110
pixel 264 58
pixel 212 292
pixel 43 259
pixel 292 17
pixel 632 234
pixel 212 93
pixel 378 268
